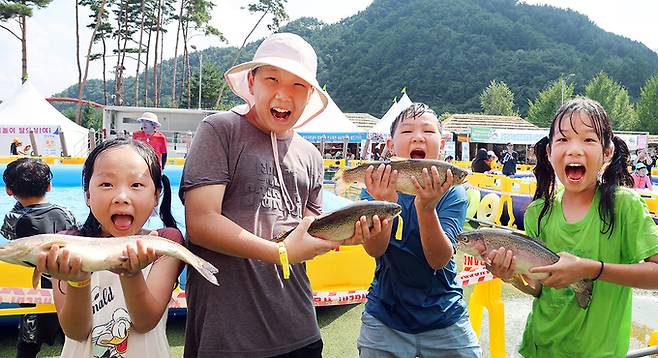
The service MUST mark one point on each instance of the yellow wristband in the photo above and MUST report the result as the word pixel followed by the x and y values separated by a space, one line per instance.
pixel 283 258
pixel 80 284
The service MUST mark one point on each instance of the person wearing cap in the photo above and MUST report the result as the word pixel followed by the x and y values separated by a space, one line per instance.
pixel 640 178
pixel 510 159
pixel 14 146
pixel 480 163
pixel 150 135
pixel 249 177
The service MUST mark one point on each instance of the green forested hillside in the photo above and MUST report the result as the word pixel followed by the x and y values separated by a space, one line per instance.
pixel 446 52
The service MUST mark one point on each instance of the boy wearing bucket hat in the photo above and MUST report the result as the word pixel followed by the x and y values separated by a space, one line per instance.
pixel 151 136
pixel 248 176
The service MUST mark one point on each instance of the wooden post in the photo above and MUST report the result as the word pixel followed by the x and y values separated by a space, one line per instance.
pixel 346 140
pixel 322 146
pixel 62 141
pixel 33 141
pixel 365 150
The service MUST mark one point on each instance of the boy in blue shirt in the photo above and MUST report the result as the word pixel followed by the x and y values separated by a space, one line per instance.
pixel 415 305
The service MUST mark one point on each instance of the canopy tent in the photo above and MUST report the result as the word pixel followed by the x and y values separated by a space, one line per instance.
pixel 382 129
pixel 27 110
pixel 333 125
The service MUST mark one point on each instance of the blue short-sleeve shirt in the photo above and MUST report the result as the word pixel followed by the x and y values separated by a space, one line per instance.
pixel 406 294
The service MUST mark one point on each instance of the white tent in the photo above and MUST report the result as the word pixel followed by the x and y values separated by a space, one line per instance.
pixel 333 125
pixel 28 110
pixel 382 129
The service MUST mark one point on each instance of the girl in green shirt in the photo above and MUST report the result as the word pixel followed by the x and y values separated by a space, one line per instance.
pixel 601 229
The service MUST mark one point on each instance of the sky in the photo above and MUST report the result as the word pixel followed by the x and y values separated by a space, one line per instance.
pixel 51 34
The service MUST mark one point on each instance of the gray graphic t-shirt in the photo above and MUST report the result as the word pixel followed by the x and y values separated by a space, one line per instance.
pixel 254 312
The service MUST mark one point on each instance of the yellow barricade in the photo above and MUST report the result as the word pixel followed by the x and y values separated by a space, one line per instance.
pixel 18 276
pixel 340 163
pixel 489 295
pixel 346 269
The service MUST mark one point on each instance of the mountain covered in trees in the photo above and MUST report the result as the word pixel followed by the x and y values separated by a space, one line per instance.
pixel 443 52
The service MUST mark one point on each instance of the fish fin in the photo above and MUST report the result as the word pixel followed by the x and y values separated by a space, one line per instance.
pixel 36 278
pixel 583 290
pixel 341 186
pixel 282 236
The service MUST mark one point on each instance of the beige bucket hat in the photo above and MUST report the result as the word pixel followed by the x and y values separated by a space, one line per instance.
pixel 288 52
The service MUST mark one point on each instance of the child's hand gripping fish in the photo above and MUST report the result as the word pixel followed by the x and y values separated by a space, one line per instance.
pixel 406 169
pixel 529 253
pixel 99 254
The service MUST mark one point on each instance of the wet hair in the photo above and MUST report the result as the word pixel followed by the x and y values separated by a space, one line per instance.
pixel 615 173
pixel 414 111
pixel 91 226
pixel 27 177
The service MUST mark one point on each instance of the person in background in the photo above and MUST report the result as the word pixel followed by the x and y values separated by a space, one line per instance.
pixel 492 159
pixel 27 150
pixel 449 158
pixel 643 156
pixel 151 136
pixel 640 178
pixel 28 180
pixel 480 163
pixel 15 146
pixel 510 159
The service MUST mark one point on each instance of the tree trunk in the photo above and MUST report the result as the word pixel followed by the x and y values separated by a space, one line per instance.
pixel 78 105
pixel 23 26
pixel 174 103
pixel 156 100
pixel 104 71
pixel 81 87
pixel 139 54
pixel 146 68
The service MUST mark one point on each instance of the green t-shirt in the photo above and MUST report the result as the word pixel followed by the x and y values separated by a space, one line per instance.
pixel 557 326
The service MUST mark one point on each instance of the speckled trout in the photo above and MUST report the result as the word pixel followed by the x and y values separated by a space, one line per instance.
pixel 529 253
pixel 407 168
pixel 338 225
pixel 99 254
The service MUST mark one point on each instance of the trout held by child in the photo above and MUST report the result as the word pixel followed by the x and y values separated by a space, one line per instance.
pixel 529 253
pixel 100 254
pixel 338 225
pixel 406 168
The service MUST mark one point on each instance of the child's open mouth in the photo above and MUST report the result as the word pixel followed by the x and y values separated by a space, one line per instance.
pixel 280 113
pixel 122 221
pixel 417 154
pixel 575 172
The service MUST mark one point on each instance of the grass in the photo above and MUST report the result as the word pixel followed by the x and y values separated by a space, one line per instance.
pixel 339 326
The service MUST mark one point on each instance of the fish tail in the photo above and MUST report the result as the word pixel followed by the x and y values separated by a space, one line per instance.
pixel 583 291
pixel 205 268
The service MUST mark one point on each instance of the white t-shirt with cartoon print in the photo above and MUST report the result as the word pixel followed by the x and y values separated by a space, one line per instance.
pixel 111 335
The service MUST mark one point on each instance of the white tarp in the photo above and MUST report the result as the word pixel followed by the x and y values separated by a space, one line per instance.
pixel 28 110
pixel 333 125
pixel 382 129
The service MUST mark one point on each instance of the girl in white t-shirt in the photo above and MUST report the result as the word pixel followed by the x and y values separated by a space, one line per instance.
pixel 121 313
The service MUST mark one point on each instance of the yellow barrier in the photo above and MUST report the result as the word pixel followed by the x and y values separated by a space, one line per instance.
pixel 350 268
pixel 19 276
pixel 340 163
pixel 489 295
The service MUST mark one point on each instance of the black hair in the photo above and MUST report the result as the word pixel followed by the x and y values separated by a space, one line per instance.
pixel 615 173
pixel 27 177
pixel 414 111
pixel 91 226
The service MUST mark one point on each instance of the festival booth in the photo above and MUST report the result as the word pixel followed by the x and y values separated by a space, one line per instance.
pixel 33 120
pixel 331 126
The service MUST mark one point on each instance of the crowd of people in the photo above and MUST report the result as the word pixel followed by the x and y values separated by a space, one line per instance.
pixel 249 176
